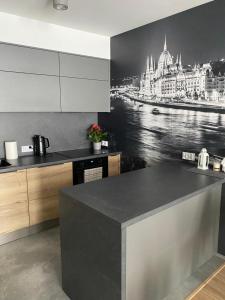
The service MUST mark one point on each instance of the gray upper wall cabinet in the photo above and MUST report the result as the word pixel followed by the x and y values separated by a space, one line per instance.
pixel 84 67
pixel 21 92
pixel 28 60
pixel 30 81
pixel 82 95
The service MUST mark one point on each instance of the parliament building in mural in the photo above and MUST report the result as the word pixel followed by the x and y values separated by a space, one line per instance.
pixel 170 79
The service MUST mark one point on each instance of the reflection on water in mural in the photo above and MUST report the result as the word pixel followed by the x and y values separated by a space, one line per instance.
pixel 162 133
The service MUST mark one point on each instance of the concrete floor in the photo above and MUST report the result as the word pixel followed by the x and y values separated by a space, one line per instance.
pixel 30 270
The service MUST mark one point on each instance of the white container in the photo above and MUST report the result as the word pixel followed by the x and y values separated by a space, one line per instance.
pixel 216 166
pixel 97 146
pixel 11 151
pixel 203 160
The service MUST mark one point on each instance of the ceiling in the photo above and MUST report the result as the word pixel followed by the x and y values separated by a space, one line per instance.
pixel 105 17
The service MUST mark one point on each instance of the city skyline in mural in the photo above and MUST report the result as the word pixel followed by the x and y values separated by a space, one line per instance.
pixel 168 82
pixel 170 79
pixel 168 86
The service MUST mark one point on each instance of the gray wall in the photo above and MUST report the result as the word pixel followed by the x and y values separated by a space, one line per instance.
pixel 64 130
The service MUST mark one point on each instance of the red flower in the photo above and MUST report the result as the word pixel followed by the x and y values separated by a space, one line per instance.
pixel 95 127
pixel 95 133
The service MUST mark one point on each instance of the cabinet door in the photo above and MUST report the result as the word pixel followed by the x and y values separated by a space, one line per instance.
pixel 84 67
pixel 83 95
pixel 28 60
pixel 13 201
pixel 29 93
pixel 114 165
pixel 43 190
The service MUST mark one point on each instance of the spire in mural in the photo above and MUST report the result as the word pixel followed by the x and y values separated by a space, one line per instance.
pixel 165 44
pixel 151 64
pixel 180 61
pixel 147 65
pixel 165 60
pixel 180 64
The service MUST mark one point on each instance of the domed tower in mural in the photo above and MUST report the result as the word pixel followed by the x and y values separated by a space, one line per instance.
pixel 170 79
pixel 165 61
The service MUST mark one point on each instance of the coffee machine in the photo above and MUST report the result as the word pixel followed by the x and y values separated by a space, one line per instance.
pixel 41 143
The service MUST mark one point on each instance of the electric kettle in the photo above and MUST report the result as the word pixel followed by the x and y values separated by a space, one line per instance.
pixel 203 159
pixel 41 143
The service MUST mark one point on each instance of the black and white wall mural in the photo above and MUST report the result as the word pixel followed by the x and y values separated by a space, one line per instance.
pixel 168 86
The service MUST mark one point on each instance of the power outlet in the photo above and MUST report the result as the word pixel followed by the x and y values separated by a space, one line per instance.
pixel 105 143
pixel 28 148
pixel 188 156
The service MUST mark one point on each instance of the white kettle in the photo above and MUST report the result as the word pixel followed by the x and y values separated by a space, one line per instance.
pixel 203 160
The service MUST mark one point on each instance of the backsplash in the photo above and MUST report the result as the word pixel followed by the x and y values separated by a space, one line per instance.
pixel 168 86
pixel 65 130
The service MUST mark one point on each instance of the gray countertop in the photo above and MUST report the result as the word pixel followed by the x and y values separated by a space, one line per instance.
pixel 25 162
pixel 133 196
pixel 208 172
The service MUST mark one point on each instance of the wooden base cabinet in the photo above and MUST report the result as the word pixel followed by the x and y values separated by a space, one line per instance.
pixel 30 197
pixel 14 213
pixel 43 190
pixel 114 165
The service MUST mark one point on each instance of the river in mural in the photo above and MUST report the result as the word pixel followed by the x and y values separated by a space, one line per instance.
pixel 162 133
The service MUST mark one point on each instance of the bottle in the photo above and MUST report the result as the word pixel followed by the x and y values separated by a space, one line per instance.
pixel 203 160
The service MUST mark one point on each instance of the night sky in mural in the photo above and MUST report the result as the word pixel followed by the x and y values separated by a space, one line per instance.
pixel 198 34
pixel 168 86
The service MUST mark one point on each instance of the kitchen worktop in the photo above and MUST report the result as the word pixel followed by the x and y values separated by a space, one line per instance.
pixel 150 191
pixel 25 162
pixel 145 226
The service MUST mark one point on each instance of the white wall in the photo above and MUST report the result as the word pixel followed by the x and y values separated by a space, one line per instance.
pixel 29 32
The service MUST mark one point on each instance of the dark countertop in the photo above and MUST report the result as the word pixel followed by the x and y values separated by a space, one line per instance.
pixel 26 162
pixel 208 172
pixel 132 196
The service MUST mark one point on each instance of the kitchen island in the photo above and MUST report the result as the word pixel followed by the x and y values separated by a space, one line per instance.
pixel 138 235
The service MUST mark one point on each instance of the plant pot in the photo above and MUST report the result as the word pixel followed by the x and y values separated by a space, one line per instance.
pixel 97 146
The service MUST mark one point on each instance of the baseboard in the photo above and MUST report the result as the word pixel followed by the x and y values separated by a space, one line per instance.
pixel 220 255
pixel 18 234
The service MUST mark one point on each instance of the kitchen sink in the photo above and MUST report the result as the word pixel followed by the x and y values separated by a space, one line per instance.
pixel 4 163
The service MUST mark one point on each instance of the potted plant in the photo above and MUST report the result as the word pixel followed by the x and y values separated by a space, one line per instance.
pixel 96 135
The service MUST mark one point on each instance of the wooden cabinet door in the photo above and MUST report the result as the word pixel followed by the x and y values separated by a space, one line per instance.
pixel 114 165
pixel 43 190
pixel 13 201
